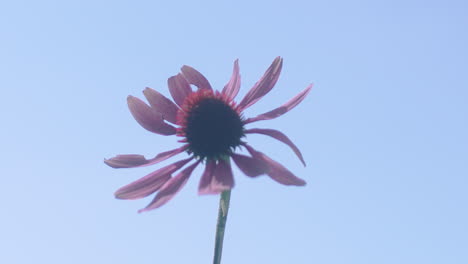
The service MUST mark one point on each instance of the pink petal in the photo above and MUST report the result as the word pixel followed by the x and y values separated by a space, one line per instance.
pixel 179 88
pixel 170 188
pixel 195 77
pixel 250 166
pixel 133 160
pixel 264 85
pixel 231 89
pixel 223 179
pixel 150 183
pixel 279 136
pixel 162 105
pixel 205 182
pixel 216 178
pixel 282 109
pixel 148 118
pixel 126 161
pixel 276 171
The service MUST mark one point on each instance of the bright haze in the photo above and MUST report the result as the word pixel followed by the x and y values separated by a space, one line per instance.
pixel 383 131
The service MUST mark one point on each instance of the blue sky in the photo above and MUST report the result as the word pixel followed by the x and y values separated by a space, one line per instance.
pixel 383 131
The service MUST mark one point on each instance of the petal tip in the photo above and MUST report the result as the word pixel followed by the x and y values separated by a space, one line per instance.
pixel 206 192
pixel 132 100
pixel 278 60
pixel 111 164
pixel 171 79
pixel 118 196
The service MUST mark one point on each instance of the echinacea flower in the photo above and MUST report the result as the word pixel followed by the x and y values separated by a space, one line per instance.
pixel 211 127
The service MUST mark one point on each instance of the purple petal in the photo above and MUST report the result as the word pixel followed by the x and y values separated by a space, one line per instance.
pixel 264 85
pixel 133 160
pixel 282 109
pixel 250 166
pixel 126 161
pixel 276 171
pixel 179 88
pixel 216 178
pixel 148 118
pixel 231 89
pixel 205 181
pixel 162 105
pixel 195 77
pixel 170 188
pixel 150 183
pixel 279 136
pixel 223 178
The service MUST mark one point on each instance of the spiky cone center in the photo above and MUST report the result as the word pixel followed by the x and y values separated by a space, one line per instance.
pixel 210 124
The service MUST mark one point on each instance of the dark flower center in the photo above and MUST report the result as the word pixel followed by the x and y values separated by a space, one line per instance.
pixel 213 129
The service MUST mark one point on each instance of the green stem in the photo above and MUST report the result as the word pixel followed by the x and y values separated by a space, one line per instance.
pixel 221 225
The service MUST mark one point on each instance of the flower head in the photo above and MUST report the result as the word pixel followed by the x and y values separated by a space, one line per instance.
pixel 211 128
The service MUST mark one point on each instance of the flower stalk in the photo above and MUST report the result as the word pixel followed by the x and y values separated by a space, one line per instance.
pixel 225 197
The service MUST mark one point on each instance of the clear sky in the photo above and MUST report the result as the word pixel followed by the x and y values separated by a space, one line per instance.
pixel 383 132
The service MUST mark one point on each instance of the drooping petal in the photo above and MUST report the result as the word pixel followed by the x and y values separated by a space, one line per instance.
pixel 149 118
pixel 279 136
pixel 217 178
pixel 133 160
pixel 231 89
pixel 170 188
pixel 126 161
pixel 276 171
pixel 282 109
pixel 223 178
pixel 179 88
pixel 150 183
pixel 250 166
pixel 195 77
pixel 162 105
pixel 264 85
pixel 205 182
